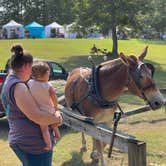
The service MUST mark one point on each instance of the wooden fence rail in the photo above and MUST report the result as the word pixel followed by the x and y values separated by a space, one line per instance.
pixel 136 149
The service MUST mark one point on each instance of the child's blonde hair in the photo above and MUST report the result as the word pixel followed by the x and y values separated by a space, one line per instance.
pixel 39 68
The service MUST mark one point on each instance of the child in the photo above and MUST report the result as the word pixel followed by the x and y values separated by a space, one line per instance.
pixel 44 95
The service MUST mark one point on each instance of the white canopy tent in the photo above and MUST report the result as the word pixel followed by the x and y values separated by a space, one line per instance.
pixel 53 26
pixel 13 30
pixel 69 33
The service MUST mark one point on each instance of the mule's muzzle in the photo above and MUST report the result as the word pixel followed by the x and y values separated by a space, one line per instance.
pixel 156 103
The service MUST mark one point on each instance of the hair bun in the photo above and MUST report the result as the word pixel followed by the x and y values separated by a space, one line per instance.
pixel 17 49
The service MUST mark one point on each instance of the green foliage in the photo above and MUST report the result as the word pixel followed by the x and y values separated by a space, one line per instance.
pixel 40 11
pixel 152 22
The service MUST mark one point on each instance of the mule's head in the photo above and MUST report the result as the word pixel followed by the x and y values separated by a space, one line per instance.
pixel 141 81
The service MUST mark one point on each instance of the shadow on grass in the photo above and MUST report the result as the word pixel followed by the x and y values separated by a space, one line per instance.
pixel 77 160
pixel 148 121
pixel 156 42
pixel 82 61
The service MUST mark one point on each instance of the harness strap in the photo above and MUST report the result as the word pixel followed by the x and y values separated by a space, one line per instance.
pixel 94 92
pixel 117 116
pixel 95 89
pixel 75 105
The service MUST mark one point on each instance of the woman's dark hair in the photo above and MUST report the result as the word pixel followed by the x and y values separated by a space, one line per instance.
pixel 19 57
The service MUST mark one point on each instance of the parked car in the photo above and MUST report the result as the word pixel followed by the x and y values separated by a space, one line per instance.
pixel 56 72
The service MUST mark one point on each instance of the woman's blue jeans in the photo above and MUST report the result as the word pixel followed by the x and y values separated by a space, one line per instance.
pixel 27 159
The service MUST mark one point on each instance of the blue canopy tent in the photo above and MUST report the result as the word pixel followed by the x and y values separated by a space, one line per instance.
pixel 35 30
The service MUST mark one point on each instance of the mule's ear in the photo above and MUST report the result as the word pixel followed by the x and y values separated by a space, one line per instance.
pixel 124 59
pixel 143 54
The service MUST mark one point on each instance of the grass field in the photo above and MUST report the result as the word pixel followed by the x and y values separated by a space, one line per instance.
pixel 149 127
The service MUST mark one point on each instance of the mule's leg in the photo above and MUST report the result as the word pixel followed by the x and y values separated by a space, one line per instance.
pixel 83 148
pixel 100 148
pixel 97 152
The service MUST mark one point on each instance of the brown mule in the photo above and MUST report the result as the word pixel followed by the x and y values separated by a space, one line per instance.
pixel 93 92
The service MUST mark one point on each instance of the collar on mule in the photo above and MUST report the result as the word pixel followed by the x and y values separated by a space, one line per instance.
pixel 95 89
pixel 94 92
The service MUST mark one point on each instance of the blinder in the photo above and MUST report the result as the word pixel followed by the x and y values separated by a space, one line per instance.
pixel 136 73
pixel 151 67
pixel 136 76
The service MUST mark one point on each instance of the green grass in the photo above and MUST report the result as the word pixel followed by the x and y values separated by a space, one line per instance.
pixel 64 49
pixel 72 53
pixel 149 127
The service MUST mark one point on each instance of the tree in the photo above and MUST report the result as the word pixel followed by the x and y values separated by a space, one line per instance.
pixel 44 12
pixel 60 11
pixel 108 14
pixel 11 10
pixel 34 10
pixel 152 23
pixel 143 16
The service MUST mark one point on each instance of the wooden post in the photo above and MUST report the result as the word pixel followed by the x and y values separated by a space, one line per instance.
pixel 137 153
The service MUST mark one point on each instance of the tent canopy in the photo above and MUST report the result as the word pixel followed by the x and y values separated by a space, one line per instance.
pixel 12 23
pixel 69 33
pixel 34 25
pixel 35 30
pixel 13 30
pixel 55 26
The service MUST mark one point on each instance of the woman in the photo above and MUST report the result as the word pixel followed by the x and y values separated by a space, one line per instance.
pixel 23 114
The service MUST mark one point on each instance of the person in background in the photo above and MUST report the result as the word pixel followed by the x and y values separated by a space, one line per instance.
pixel 24 115
pixel 44 95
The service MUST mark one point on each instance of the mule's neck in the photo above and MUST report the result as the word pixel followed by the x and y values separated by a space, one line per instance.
pixel 113 79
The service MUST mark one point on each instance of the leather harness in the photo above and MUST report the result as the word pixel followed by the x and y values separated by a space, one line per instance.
pixel 94 92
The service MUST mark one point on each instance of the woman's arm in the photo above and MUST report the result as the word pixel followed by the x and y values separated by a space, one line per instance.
pixel 27 105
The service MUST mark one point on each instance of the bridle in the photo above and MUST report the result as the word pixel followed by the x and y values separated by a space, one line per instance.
pixel 135 74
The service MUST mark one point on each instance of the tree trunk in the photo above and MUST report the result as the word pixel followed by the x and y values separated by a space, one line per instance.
pixel 115 42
